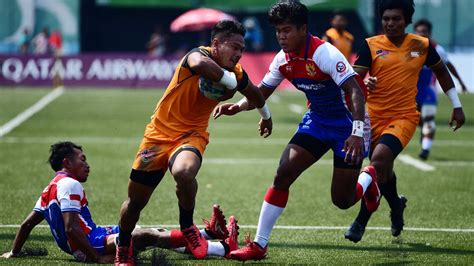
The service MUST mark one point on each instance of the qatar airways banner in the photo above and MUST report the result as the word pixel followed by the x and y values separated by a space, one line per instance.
pixel 110 70
pixel 118 70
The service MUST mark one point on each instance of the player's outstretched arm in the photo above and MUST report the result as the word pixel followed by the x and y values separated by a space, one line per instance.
pixel 447 84
pixel 33 219
pixel 255 98
pixel 453 71
pixel 354 144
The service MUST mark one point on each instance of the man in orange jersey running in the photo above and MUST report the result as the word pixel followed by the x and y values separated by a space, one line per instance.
pixel 338 36
pixel 393 61
pixel 176 136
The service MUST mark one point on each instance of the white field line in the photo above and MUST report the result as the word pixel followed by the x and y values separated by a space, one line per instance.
pixel 38 106
pixel 453 163
pixel 230 141
pixel 295 108
pixel 216 140
pixel 295 227
pixel 229 161
pixel 407 159
pixel 275 99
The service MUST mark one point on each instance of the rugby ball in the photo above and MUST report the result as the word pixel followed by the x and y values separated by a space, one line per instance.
pixel 214 90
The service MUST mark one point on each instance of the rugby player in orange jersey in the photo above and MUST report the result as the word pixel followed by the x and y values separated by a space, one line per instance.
pixel 393 61
pixel 176 136
pixel 338 36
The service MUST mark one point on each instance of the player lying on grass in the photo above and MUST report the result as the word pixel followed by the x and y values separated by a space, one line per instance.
pixel 63 204
pixel 336 120
pixel 177 135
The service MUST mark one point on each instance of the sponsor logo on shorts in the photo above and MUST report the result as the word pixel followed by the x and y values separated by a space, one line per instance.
pixel 108 230
pixel 146 154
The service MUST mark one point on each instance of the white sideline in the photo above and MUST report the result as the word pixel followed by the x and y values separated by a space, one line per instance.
pixel 294 227
pixel 218 140
pixel 295 108
pixel 407 159
pixel 23 116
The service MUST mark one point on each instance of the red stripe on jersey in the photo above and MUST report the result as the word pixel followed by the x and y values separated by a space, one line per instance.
pixel 75 197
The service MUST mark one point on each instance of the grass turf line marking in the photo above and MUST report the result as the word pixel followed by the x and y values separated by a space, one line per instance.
pixel 407 159
pixel 25 115
pixel 295 108
pixel 217 140
pixel 275 99
pixel 295 227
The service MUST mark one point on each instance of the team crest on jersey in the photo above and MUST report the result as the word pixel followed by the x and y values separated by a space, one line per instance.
pixel 310 69
pixel 381 53
pixel 340 67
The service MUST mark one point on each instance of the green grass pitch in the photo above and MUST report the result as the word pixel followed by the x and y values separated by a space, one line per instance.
pixel 237 169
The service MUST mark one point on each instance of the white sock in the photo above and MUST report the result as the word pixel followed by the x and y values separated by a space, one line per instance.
pixel 268 217
pixel 426 143
pixel 204 234
pixel 215 248
pixel 364 180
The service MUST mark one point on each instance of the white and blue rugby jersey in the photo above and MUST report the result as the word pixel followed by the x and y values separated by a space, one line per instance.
pixel 319 71
pixel 64 194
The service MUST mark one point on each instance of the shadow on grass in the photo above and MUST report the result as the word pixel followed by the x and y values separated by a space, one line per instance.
pixel 395 248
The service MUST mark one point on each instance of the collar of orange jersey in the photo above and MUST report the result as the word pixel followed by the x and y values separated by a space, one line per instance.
pixel 303 52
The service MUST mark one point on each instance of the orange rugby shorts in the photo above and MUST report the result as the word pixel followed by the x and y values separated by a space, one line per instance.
pixel 155 154
pixel 402 127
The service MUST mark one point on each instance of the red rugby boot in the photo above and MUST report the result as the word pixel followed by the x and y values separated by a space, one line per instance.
pixel 217 224
pixel 372 195
pixel 195 242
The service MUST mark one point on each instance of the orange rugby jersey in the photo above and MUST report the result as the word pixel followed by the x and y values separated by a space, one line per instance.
pixel 183 110
pixel 343 42
pixel 397 70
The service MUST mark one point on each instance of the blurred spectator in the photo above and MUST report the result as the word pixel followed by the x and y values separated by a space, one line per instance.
pixel 24 41
pixel 253 36
pixel 40 42
pixel 55 42
pixel 156 46
pixel 338 36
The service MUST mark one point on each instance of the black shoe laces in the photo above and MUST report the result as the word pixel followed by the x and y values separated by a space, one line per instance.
pixel 193 238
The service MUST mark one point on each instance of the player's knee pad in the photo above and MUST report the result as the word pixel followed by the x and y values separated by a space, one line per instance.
pixel 429 127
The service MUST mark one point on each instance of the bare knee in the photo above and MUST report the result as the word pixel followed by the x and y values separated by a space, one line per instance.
pixel 284 178
pixel 342 202
pixel 183 175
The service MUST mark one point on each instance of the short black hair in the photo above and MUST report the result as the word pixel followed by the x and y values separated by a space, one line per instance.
pixel 338 12
pixel 225 28
pixel 424 22
pixel 408 7
pixel 59 151
pixel 288 11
